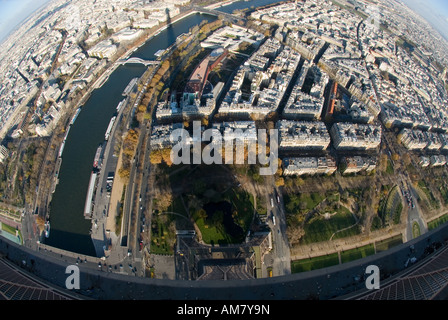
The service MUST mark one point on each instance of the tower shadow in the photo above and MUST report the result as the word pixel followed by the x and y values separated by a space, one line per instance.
pixel 170 29
pixel 168 17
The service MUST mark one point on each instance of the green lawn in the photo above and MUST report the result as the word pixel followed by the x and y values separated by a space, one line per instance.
pixel 161 241
pixel 261 206
pixel 314 263
pixel 433 202
pixel 162 228
pixel 437 222
pixel 12 230
pixel 213 234
pixel 377 223
pixel 386 244
pixel 357 253
pixel 213 230
pixel 320 229
pixel 415 230
pixel 396 215
pixel 302 202
pixel 389 168
pixel 9 229
pixel 243 203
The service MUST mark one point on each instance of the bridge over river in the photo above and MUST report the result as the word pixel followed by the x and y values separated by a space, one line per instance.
pixel 230 17
pixel 138 60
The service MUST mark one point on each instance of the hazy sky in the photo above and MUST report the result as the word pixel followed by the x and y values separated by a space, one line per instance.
pixel 12 12
pixel 434 11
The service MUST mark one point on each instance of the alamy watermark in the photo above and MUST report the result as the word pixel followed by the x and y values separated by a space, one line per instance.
pixel 233 142
pixel 72 281
pixel 373 280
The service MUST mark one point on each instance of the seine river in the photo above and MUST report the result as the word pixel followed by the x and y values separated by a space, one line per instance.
pixel 69 228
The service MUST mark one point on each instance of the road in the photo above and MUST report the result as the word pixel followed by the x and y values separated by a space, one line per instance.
pixel 415 215
pixel 145 204
pixel 134 218
pixel 101 209
pixel 409 198
pixel 280 257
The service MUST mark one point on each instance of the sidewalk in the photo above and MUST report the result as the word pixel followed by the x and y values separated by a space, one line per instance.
pixel 334 246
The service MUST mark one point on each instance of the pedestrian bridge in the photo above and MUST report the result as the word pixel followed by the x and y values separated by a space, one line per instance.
pixel 230 17
pixel 138 60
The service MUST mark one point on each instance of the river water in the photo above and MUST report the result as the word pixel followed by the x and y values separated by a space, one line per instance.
pixel 69 228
